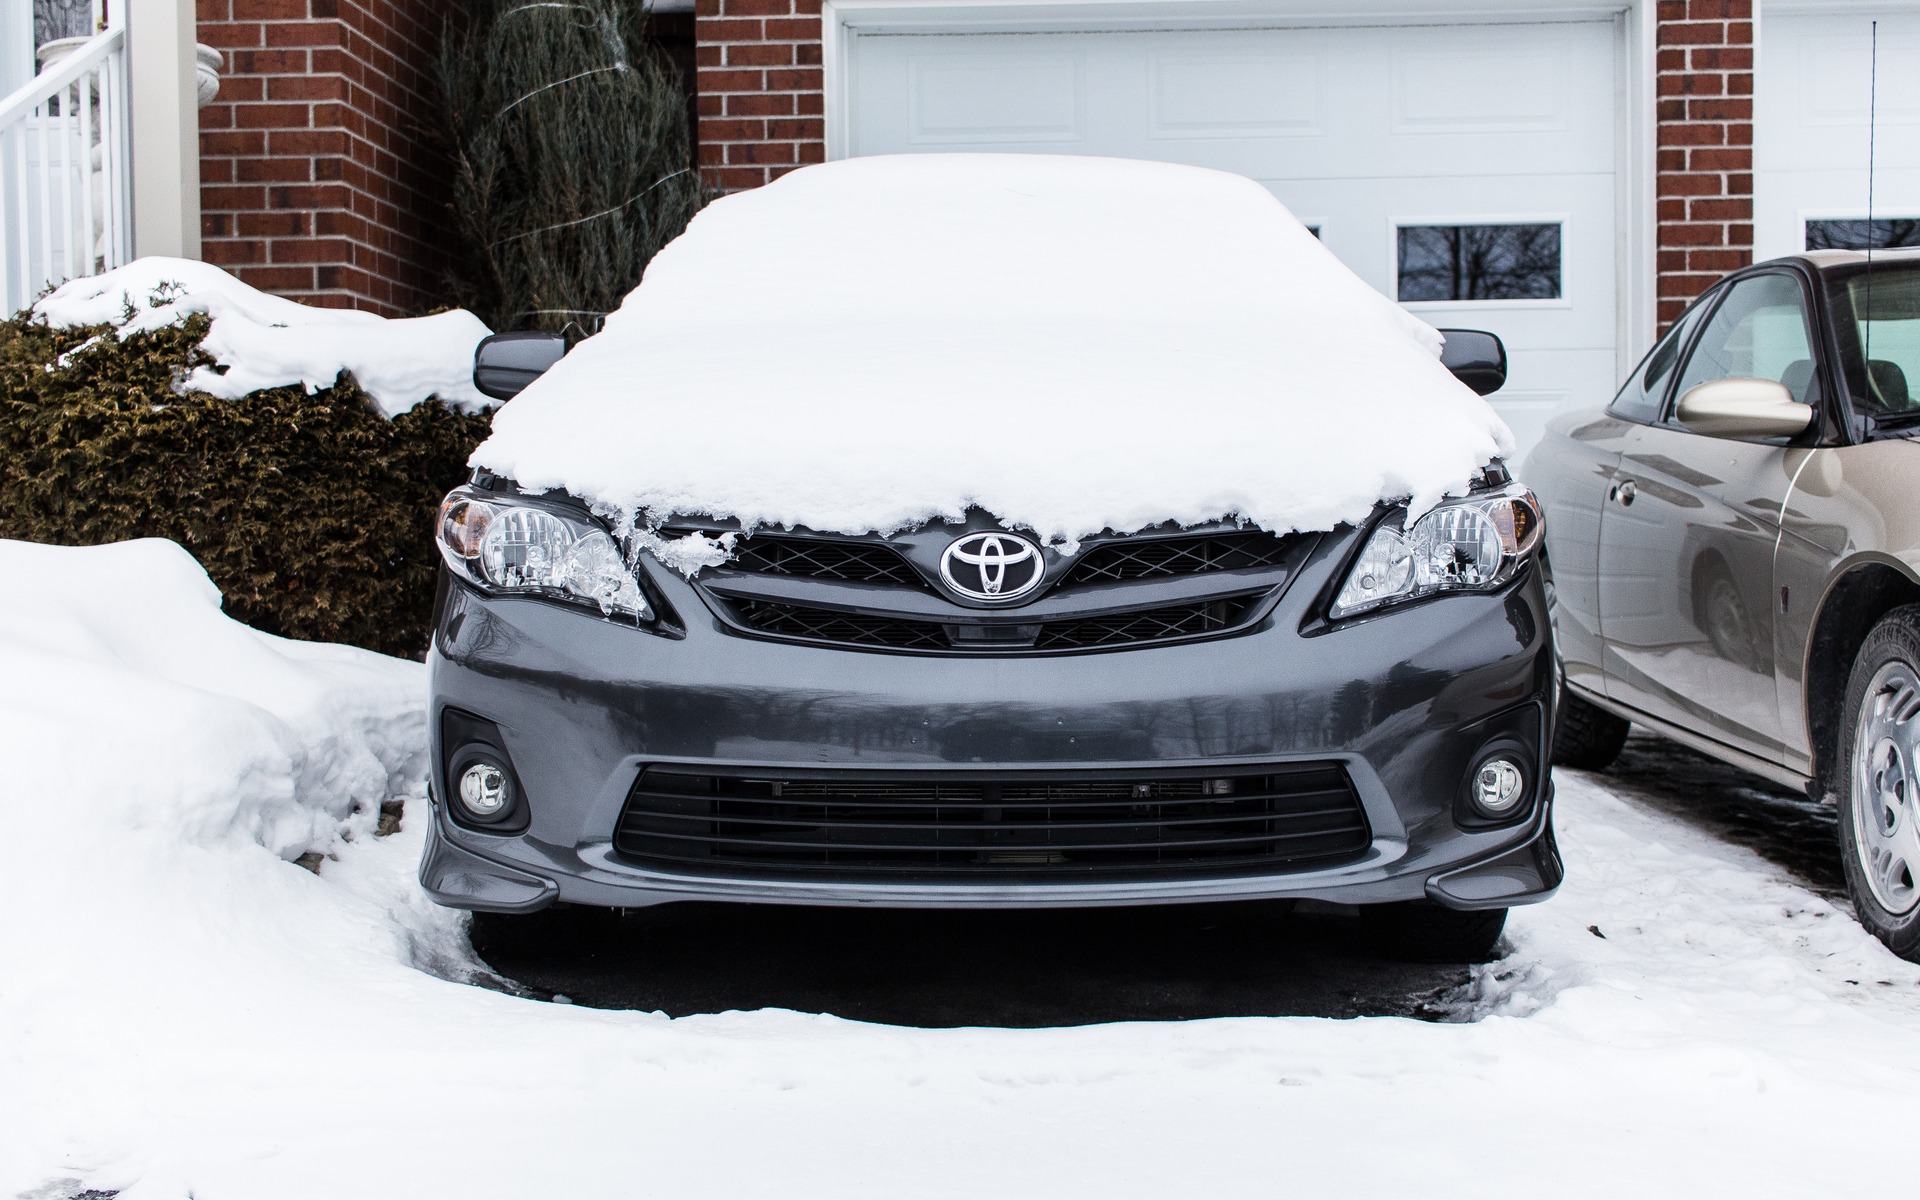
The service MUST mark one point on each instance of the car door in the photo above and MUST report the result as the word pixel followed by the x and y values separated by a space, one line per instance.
pixel 1573 471
pixel 1692 523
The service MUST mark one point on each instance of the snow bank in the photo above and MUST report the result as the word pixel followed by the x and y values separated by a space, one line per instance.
pixel 184 1012
pixel 262 341
pixel 1072 344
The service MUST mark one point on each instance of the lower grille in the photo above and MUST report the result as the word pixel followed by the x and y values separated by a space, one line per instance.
pixel 1042 825
pixel 1120 629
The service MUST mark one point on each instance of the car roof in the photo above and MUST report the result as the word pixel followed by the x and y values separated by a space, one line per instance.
pixel 1822 260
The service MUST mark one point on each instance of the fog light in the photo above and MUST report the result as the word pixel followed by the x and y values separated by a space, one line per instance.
pixel 485 791
pixel 1498 786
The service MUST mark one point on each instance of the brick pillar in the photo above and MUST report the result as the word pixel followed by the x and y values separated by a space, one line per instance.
pixel 1705 170
pixel 319 177
pixel 760 98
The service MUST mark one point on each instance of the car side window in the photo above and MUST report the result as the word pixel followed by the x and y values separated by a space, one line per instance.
pixel 1758 332
pixel 1642 395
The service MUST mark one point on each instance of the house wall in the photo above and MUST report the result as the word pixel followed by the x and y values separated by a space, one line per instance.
pixel 319 177
pixel 1704 174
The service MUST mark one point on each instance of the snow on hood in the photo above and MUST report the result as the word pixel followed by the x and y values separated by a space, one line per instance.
pixel 264 341
pixel 1072 344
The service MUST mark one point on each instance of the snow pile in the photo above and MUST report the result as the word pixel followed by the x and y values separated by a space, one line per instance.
pixel 262 341
pixel 184 1012
pixel 1072 344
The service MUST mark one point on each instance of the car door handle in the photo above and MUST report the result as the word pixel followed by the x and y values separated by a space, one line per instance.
pixel 1624 492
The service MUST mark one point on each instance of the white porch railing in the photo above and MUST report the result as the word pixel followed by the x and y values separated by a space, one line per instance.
pixel 65 197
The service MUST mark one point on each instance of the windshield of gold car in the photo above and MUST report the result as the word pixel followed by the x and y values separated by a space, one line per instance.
pixel 1877 320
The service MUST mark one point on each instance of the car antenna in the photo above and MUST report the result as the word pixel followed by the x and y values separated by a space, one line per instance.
pixel 1873 113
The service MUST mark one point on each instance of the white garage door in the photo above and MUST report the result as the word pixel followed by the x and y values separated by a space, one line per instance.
pixel 1466 170
pixel 1810 132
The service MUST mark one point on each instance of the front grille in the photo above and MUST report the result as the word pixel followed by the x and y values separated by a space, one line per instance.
pixel 821 559
pixel 1080 633
pixel 1036 825
pixel 1150 558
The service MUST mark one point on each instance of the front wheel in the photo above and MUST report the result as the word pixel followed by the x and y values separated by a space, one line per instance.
pixel 1588 738
pixel 1420 931
pixel 1880 802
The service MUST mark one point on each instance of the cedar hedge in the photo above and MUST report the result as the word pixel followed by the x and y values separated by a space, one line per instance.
pixel 312 513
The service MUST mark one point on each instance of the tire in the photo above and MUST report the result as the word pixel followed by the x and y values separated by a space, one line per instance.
pixel 1879 792
pixel 1589 738
pixel 1420 931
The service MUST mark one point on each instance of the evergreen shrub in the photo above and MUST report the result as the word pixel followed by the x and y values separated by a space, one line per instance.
pixel 312 513
pixel 573 161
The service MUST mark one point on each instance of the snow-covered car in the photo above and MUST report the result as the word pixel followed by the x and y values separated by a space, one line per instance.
pixel 1735 552
pixel 977 531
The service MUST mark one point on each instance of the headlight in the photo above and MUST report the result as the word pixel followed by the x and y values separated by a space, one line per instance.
pixel 1475 544
pixel 509 547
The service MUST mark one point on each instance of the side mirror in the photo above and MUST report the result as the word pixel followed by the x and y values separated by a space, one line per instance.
pixel 1742 408
pixel 1476 359
pixel 505 363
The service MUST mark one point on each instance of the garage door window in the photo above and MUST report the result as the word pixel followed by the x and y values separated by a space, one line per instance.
pixel 1882 233
pixel 1479 262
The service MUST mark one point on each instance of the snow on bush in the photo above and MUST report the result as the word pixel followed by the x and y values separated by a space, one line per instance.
pixel 261 341
pixel 1072 344
pixel 184 1012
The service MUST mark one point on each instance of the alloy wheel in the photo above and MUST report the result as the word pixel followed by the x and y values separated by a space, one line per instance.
pixel 1886 825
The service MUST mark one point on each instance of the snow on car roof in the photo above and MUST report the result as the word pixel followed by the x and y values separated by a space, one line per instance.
pixel 1072 344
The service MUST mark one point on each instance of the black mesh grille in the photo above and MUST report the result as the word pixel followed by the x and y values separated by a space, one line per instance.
pixel 1147 625
pixel 825 625
pixel 1037 825
pixel 1152 625
pixel 818 559
pixel 1151 558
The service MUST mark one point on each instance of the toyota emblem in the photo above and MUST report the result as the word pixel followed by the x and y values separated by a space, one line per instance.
pixel 992 566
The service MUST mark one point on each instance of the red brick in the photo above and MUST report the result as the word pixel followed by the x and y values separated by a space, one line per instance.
pixel 733 29
pixel 755 8
pixel 1723 208
pixel 1737 109
pixel 1683 134
pixel 793 29
pixel 273 170
pixel 1717 158
pixel 760 54
pixel 1721 58
pixel 272 116
pixel 713 82
pixel 1717 260
pixel 770 104
pixel 1692 33
pixel 798 79
pixel 1692 235
pixel 728 129
pixel 1690 184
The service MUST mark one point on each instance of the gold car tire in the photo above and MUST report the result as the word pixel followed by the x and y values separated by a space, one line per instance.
pixel 1879 801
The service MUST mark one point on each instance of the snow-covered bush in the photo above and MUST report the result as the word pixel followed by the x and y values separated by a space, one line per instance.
pixel 312 511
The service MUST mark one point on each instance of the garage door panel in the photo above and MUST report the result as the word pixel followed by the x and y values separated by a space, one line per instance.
pixel 974 99
pixel 1273 94
pixel 1810 123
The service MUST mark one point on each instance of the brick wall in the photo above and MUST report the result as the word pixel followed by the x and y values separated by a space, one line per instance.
pixel 318 178
pixel 1705 146
pixel 758 89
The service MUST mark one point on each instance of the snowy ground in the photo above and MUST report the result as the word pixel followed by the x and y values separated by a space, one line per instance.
pixel 185 1011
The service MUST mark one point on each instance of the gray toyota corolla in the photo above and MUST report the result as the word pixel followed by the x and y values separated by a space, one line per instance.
pixel 964 713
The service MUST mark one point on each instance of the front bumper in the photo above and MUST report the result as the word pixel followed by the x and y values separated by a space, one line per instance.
pixel 1401 699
